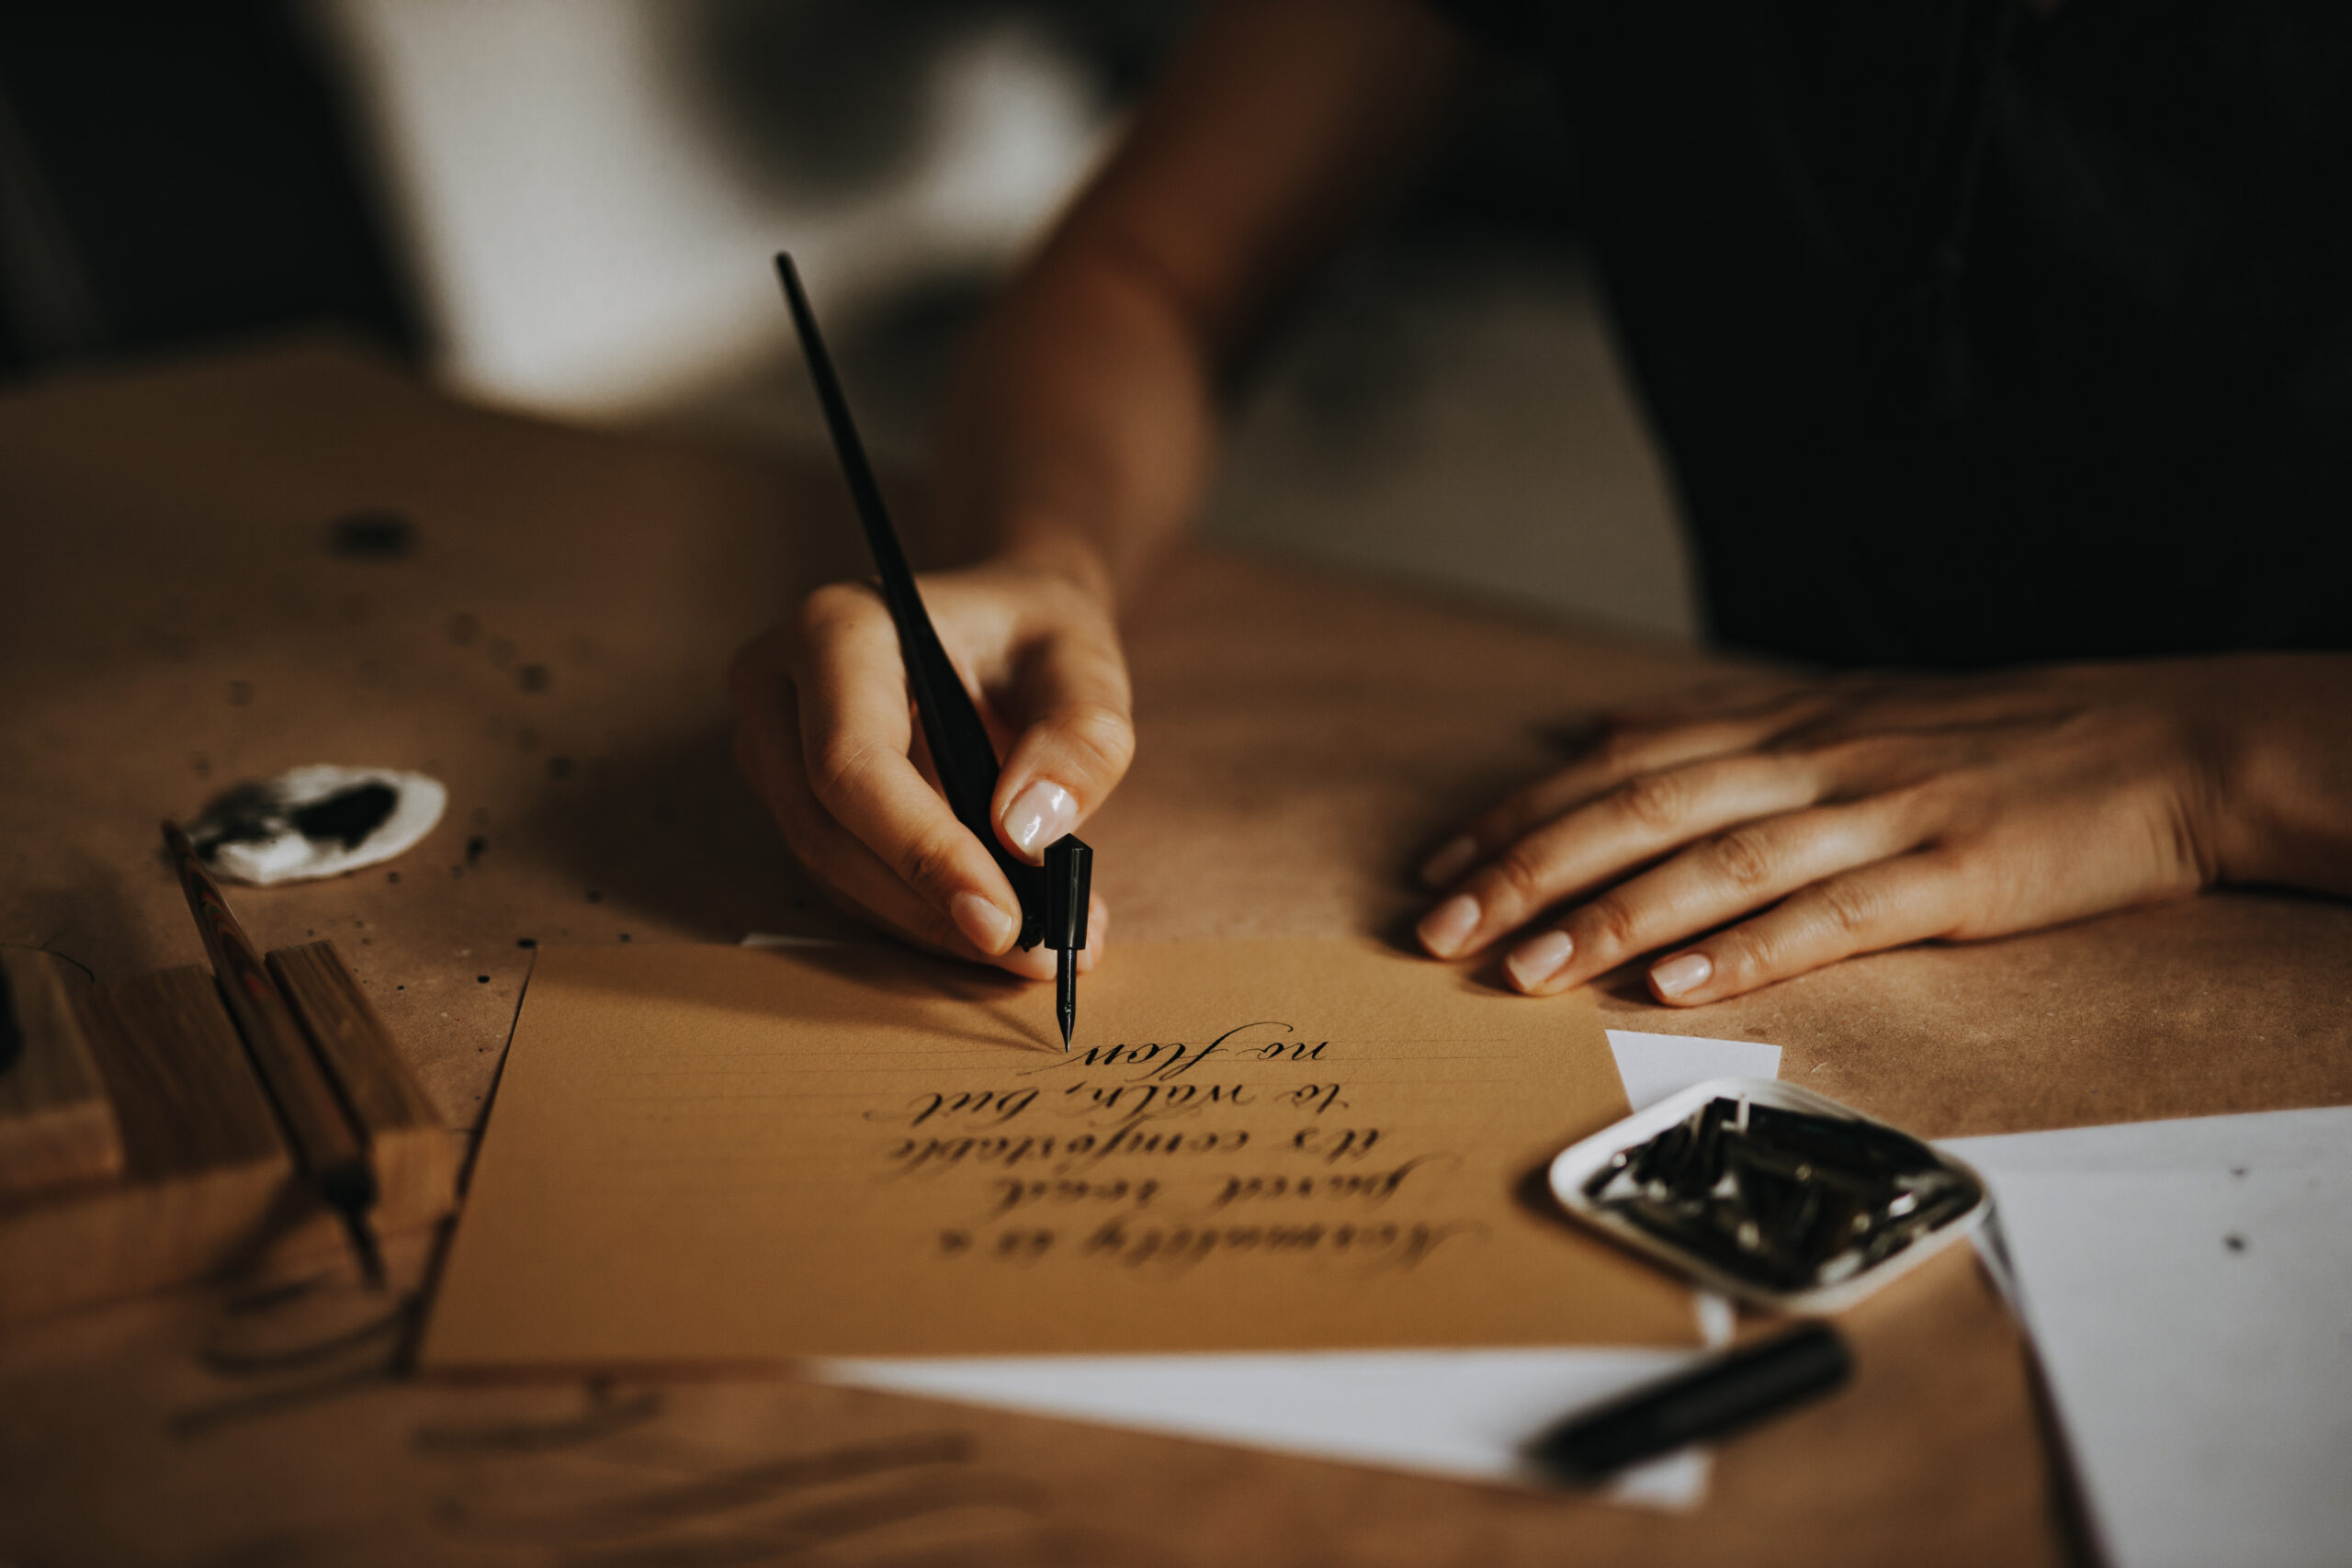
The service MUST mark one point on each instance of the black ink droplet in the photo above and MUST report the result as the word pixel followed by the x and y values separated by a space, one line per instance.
pixel 2235 1243
pixel 371 535
pixel 623 936
pixel 594 896
pixel 474 848
pixel 532 677
pixel 347 816
pixel 481 979
pixel 392 876
pixel 527 942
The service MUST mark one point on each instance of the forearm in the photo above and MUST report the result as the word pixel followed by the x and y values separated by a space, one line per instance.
pixel 2285 771
pixel 1080 426
pixel 1082 422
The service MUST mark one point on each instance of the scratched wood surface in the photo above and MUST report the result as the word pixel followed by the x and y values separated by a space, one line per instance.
pixel 181 611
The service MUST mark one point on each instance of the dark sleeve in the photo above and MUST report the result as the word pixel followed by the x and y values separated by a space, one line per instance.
pixel 1499 24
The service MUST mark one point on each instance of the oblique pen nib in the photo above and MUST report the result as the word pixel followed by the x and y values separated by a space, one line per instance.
pixel 1065 993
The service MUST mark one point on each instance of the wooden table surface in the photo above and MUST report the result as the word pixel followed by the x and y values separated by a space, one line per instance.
pixel 173 618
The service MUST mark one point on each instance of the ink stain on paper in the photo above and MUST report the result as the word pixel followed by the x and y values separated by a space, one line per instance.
pixel 315 822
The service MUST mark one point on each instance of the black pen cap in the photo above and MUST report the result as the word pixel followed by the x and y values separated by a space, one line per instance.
pixel 1069 888
pixel 1710 1400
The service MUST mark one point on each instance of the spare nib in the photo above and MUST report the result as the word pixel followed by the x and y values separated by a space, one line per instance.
pixel 1069 888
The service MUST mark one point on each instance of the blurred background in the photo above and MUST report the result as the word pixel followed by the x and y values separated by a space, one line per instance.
pixel 567 207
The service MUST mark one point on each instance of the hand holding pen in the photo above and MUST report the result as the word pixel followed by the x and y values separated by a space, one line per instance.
pixel 827 736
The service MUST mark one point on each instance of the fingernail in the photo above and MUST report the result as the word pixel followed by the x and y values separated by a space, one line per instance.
pixel 1450 862
pixel 1444 928
pixel 1540 960
pixel 1683 971
pixel 984 925
pixel 1032 964
pixel 1038 816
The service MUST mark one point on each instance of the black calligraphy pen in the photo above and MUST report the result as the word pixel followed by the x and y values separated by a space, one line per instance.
pixel 1053 897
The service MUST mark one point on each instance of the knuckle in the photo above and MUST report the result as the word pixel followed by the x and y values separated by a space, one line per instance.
pixel 1105 734
pixel 1745 860
pixel 1656 801
pixel 1743 957
pixel 828 610
pixel 1848 907
pixel 1612 924
pixel 928 863
pixel 837 766
pixel 1519 876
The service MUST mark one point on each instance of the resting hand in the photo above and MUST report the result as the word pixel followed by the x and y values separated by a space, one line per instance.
pixel 1748 836
pixel 826 734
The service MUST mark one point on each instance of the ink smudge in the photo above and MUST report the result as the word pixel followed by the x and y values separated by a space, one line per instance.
pixel 315 822
pixel 348 816
pixel 371 535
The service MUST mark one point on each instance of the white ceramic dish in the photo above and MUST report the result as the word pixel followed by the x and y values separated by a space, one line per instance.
pixel 1577 1164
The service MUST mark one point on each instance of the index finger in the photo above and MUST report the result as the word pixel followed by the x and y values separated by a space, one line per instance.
pixel 856 728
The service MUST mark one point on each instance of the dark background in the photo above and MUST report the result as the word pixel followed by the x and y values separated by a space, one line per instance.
pixel 175 174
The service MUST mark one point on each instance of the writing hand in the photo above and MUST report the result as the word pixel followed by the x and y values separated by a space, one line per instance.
pixel 826 733
pixel 1814 821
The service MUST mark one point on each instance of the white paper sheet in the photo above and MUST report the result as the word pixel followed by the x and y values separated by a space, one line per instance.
pixel 1466 1413
pixel 1655 1066
pixel 1455 1413
pixel 2188 1287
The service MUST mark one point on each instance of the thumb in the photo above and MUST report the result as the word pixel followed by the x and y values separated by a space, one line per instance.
pixel 1079 738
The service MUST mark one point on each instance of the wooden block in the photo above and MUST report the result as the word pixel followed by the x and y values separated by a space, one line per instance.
pixel 183 1085
pixel 207 1185
pixel 57 1127
pixel 415 1159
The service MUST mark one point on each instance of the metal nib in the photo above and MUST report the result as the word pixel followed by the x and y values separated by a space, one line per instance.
pixel 1066 992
